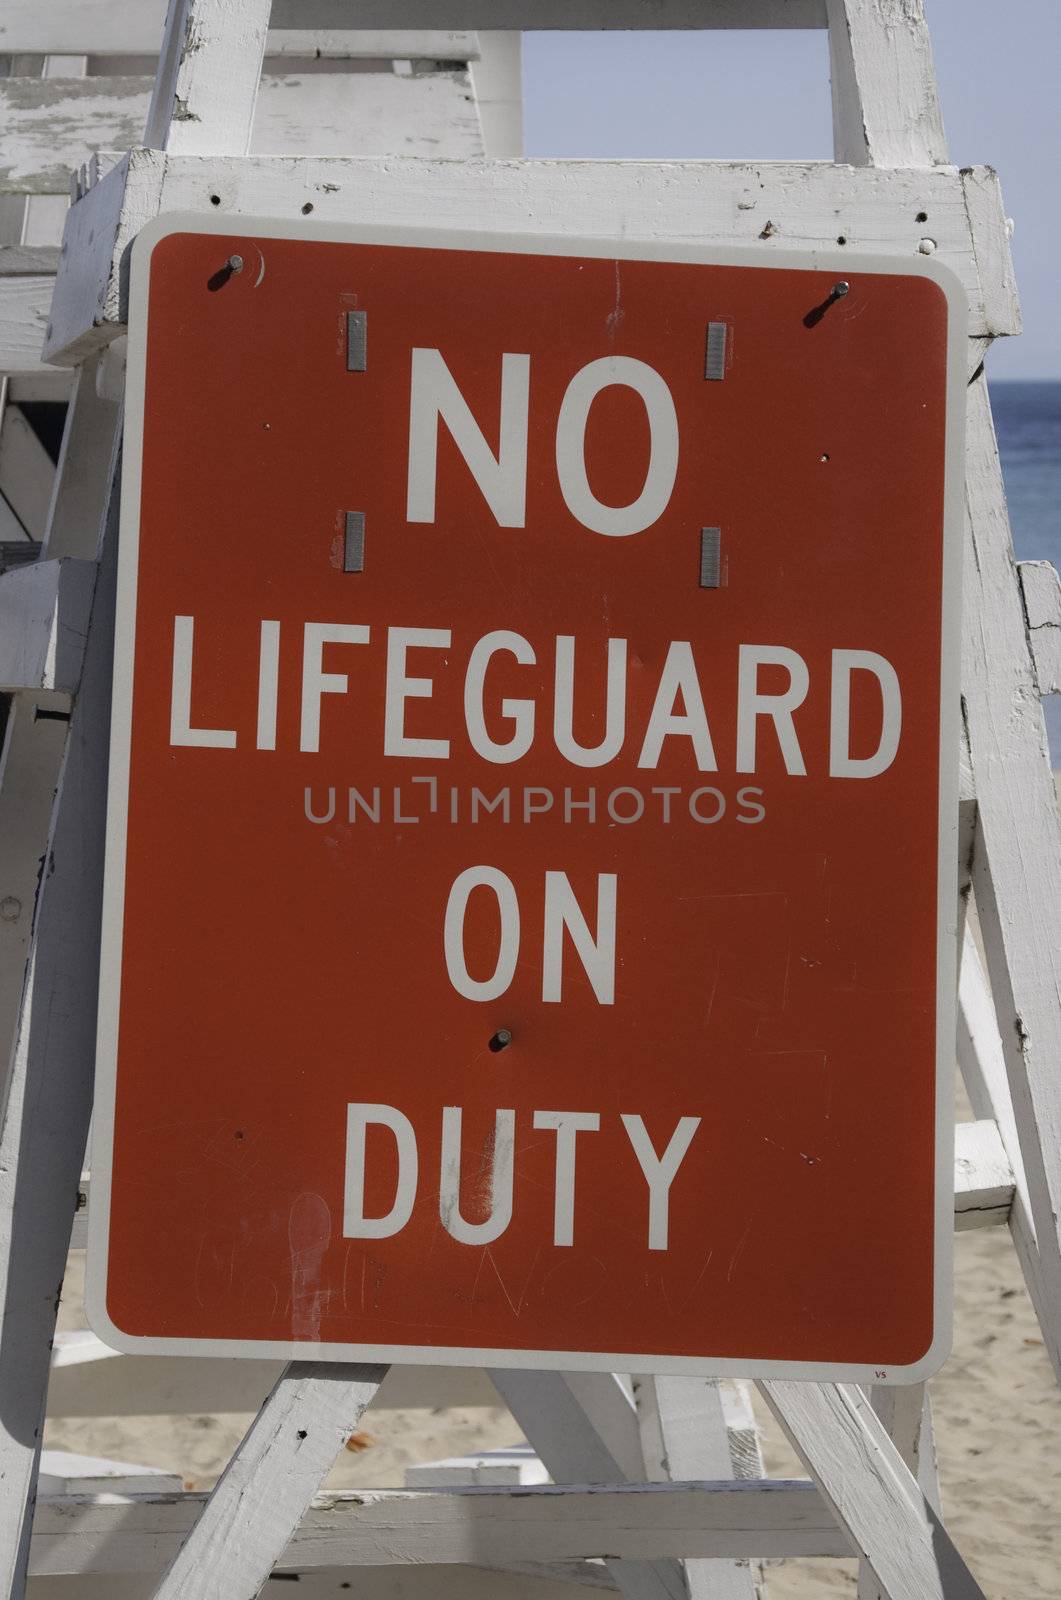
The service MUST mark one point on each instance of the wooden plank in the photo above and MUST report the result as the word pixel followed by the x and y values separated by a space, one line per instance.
pixel 49 1094
pixel 24 306
pixel 905 1413
pixel 26 471
pixel 54 125
pixel 100 28
pixel 684 1435
pixel 267 1487
pixel 810 205
pixel 45 215
pixel 585 1429
pixel 983 1069
pixel 591 14
pixel 983 1176
pixel 1017 862
pixel 208 72
pixel 79 500
pixel 885 102
pixel 94 243
pixel 464 1526
pixel 28 261
pixel 1041 591
pixel 498 83
pixel 44 611
pixel 864 1479
pixel 568 1581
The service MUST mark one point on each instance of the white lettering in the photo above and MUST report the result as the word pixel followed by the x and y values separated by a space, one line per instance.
pixel 435 396
pixel 617 521
pixel 355 1224
pixel 500 1161
pixel 564 705
pixel 659 1171
pixel 519 712
pixel 453 934
pixel 316 682
pixel 679 677
pixel 180 716
pixel 751 705
pixel 841 763
pixel 400 688
pixel 567 1125
pixel 597 955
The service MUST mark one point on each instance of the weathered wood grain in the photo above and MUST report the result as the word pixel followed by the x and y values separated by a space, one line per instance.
pixel 809 205
pixel 885 102
pixel 54 125
pixel 684 1436
pixel 267 1487
pixel 101 28
pixel 1017 860
pixel 44 611
pixel 1041 590
pixel 584 1427
pixel 49 1089
pixel 207 80
pixel 466 1526
pixel 862 1476
pixel 24 305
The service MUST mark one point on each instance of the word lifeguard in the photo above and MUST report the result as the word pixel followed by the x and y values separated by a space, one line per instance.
pixel 679 706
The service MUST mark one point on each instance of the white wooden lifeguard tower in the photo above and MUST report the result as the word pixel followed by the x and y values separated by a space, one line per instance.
pixel 384 126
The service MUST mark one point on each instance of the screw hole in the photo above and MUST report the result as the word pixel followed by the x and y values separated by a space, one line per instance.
pixel 307 208
pixel 922 216
pixel 301 1434
pixel 215 199
pixel 824 456
pixel 500 1041
pixel 841 238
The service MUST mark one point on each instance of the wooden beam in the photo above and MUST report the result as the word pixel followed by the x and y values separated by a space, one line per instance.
pixel 474 1526
pixel 862 1476
pixel 567 1581
pixel 44 610
pixel 265 1491
pixel 583 14
pixel 983 1176
pixel 1041 592
pixel 207 79
pixel 807 205
pixel 25 302
pixel 100 28
pixel 885 101
pixel 53 125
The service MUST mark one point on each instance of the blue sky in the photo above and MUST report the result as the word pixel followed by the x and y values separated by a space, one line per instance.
pixel 766 95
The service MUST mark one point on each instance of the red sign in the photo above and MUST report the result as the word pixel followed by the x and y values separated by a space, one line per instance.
pixel 528 830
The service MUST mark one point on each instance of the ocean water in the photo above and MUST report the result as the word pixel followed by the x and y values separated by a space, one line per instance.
pixel 1028 424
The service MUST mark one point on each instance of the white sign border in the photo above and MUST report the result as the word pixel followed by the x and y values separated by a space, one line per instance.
pixel 844 266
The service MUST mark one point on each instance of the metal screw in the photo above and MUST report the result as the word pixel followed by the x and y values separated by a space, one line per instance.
pixel 10 908
pixel 235 263
pixel 840 289
pixel 501 1039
